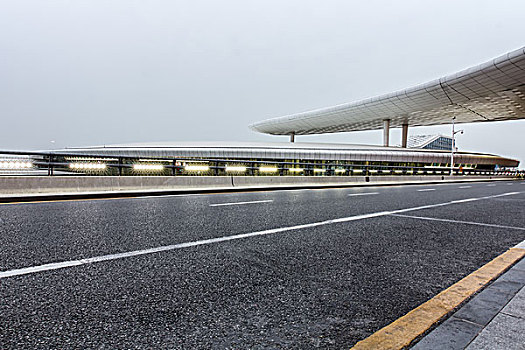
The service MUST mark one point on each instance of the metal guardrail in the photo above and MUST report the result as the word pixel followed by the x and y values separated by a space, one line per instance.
pixel 89 164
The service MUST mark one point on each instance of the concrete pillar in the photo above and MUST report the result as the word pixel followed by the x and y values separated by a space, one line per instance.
pixel 404 136
pixel 292 137
pixel 386 132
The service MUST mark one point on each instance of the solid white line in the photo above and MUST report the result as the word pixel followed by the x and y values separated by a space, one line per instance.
pixel 96 259
pixel 426 189
pixel 240 203
pixel 459 222
pixel 362 194
pixel 464 186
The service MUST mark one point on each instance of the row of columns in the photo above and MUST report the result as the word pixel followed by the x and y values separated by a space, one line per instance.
pixel 386 134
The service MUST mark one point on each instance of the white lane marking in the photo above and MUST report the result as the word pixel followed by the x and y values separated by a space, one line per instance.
pixel 426 189
pixel 510 184
pixel 362 194
pixel 491 185
pixel 459 222
pixel 520 245
pixel 240 203
pixel 464 186
pixel 96 259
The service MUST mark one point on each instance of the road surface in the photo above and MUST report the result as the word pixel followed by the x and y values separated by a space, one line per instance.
pixel 279 269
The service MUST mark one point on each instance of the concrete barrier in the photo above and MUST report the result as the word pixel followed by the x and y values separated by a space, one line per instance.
pixel 21 185
pixel 64 184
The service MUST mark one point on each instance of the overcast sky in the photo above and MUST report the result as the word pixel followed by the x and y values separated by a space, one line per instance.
pixel 101 71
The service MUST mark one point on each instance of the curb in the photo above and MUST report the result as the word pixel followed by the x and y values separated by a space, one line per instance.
pixel 411 327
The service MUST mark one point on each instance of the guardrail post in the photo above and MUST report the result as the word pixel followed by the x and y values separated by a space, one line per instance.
pixel 49 166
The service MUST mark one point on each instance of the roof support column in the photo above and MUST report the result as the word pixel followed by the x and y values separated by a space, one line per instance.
pixel 386 132
pixel 292 137
pixel 404 136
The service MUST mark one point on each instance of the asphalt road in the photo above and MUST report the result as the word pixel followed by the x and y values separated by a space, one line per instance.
pixel 327 284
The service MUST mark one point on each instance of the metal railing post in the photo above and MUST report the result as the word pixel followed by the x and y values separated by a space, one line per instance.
pixel 49 166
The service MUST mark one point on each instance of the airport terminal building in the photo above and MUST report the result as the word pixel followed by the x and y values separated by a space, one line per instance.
pixel 313 159
pixel 492 91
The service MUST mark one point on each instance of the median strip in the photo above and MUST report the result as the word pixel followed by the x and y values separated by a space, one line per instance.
pixel 33 197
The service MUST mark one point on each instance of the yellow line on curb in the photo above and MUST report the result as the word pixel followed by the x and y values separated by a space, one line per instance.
pixel 400 333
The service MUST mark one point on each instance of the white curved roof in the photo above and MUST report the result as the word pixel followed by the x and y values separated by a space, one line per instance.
pixel 491 91
pixel 285 150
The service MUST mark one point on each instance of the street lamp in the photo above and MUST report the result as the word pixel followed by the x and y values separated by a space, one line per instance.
pixel 453 146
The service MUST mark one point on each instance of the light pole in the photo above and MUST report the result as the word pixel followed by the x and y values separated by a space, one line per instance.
pixel 453 146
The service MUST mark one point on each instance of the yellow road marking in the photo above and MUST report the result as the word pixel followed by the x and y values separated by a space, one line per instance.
pixel 403 331
pixel 68 200
pixel 103 199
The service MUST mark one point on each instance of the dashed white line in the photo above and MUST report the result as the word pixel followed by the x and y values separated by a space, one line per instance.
pixel 362 194
pixel 491 185
pixel 464 186
pixel 459 222
pixel 109 257
pixel 240 203
pixel 426 189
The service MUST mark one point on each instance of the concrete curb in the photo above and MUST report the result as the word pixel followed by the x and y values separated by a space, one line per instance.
pixel 58 196
pixel 460 329
pixel 409 328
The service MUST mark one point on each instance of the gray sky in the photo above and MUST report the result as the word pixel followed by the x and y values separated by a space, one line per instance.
pixel 100 71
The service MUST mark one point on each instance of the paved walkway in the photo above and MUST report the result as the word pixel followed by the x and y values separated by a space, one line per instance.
pixel 493 319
